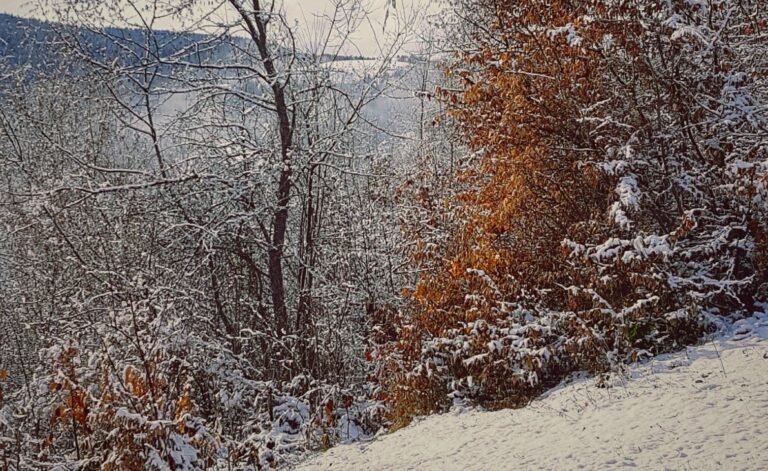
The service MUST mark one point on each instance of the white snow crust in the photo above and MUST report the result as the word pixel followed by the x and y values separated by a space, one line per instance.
pixel 702 409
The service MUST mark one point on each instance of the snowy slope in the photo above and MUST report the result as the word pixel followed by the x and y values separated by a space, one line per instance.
pixel 703 409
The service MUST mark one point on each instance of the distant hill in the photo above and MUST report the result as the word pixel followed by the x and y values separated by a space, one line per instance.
pixel 36 44
pixel 22 42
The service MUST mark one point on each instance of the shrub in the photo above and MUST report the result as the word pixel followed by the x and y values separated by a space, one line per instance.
pixel 618 197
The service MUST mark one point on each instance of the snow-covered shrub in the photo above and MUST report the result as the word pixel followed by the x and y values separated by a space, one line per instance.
pixel 181 409
pixel 615 200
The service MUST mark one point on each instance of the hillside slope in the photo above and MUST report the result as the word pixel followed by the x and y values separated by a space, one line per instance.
pixel 705 408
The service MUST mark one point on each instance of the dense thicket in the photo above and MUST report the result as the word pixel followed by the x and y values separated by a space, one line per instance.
pixel 614 204
pixel 193 238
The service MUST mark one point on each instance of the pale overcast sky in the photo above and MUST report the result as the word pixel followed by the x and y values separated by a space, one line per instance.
pixel 305 12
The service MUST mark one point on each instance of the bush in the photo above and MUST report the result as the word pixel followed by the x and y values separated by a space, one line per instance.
pixel 617 201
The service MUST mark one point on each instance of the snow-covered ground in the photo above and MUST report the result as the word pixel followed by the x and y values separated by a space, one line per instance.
pixel 702 409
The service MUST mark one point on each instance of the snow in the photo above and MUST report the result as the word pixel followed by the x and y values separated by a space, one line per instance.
pixel 704 408
pixel 572 37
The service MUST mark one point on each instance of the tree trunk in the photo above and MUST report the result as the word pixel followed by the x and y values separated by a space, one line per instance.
pixel 256 23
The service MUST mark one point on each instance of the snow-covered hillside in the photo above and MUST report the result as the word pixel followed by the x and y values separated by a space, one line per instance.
pixel 705 408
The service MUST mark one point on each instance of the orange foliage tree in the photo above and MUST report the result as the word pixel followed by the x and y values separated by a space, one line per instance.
pixel 583 233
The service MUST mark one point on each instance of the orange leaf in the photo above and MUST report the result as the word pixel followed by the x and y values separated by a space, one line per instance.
pixel 58 414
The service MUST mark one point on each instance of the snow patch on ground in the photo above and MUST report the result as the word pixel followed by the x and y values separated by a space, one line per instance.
pixel 705 408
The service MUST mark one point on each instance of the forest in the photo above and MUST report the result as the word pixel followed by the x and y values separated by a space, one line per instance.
pixel 239 240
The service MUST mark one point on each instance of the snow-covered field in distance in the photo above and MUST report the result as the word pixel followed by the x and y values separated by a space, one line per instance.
pixel 702 409
pixel 361 67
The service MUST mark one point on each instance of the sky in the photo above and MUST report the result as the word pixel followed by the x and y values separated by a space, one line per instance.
pixel 307 15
